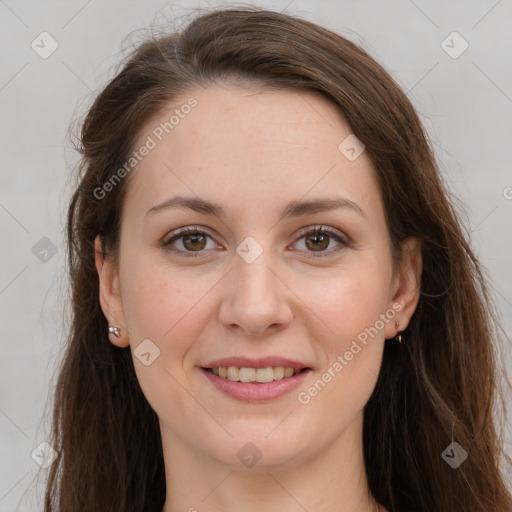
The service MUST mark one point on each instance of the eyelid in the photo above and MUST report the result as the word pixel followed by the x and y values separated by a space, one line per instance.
pixel 193 229
pixel 321 228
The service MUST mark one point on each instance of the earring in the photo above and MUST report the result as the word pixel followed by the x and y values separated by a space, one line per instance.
pixel 398 336
pixel 114 330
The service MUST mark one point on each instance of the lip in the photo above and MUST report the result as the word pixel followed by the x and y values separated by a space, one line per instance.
pixel 262 362
pixel 254 391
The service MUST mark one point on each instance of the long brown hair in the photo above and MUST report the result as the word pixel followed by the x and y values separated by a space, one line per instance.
pixel 439 386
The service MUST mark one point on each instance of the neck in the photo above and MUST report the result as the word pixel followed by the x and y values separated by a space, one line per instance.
pixel 333 480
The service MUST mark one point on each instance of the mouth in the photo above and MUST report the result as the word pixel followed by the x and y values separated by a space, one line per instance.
pixel 255 375
pixel 255 380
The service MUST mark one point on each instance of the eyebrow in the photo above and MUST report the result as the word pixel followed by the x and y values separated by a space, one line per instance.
pixel 292 209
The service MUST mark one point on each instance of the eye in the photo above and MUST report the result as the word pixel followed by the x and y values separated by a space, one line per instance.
pixel 194 241
pixel 318 240
pixel 191 239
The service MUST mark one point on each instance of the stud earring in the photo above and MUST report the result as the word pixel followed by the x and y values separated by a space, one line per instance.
pixel 398 336
pixel 114 330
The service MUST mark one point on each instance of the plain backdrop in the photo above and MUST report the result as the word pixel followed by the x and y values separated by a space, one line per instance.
pixel 463 95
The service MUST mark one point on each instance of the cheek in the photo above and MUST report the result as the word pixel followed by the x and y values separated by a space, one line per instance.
pixel 164 307
pixel 350 306
pixel 159 303
pixel 349 302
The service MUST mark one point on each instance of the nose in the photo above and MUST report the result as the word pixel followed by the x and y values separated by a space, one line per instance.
pixel 257 300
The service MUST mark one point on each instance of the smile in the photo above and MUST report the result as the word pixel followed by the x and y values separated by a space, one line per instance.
pixel 261 375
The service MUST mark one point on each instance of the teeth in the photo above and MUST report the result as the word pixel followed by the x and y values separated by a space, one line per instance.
pixel 261 375
pixel 233 373
pixel 278 372
pixel 246 375
pixel 265 374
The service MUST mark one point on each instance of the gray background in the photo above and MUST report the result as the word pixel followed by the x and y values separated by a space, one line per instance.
pixel 465 103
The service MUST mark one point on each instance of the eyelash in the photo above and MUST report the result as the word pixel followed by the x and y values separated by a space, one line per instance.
pixel 319 230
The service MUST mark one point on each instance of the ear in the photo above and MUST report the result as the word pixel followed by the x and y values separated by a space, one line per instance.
pixel 110 297
pixel 406 286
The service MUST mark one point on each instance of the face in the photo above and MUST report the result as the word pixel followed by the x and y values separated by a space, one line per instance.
pixel 256 283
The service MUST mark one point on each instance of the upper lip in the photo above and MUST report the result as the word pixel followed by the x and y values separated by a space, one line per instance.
pixel 261 362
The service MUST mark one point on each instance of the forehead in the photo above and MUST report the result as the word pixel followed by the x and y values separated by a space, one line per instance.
pixel 248 148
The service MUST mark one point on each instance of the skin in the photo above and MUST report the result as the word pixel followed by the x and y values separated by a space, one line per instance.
pixel 252 151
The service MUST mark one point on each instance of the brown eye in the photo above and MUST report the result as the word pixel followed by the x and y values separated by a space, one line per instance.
pixel 318 242
pixel 187 242
pixel 194 242
pixel 319 239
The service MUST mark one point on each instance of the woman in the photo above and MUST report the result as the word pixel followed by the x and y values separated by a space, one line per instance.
pixel 274 303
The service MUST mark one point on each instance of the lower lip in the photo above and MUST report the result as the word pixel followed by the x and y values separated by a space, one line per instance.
pixel 254 391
